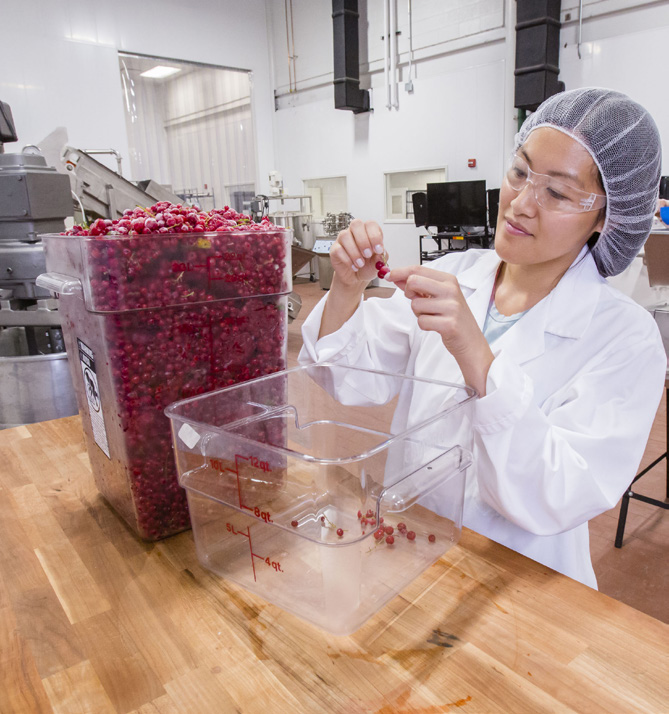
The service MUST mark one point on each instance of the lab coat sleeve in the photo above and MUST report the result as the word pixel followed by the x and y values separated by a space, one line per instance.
pixel 549 469
pixel 377 336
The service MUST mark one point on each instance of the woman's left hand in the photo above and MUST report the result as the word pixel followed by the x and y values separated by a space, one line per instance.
pixel 438 303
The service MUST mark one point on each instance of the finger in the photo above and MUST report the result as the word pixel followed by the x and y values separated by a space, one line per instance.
pixel 436 323
pixel 404 272
pixel 358 230
pixel 400 278
pixel 349 243
pixel 340 258
pixel 432 306
pixel 421 286
pixel 401 284
pixel 375 237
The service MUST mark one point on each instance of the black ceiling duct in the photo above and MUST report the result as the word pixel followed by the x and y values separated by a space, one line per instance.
pixel 348 94
pixel 537 52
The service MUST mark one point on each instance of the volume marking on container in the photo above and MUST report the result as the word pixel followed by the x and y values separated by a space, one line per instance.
pixel 265 559
pixel 256 463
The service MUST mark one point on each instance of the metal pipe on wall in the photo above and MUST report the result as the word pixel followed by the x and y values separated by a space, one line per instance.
pixel 408 85
pixel 292 81
pixel 292 46
pixel 386 51
pixel 290 68
pixel 392 11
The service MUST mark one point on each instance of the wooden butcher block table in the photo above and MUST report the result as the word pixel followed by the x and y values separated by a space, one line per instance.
pixel 94 620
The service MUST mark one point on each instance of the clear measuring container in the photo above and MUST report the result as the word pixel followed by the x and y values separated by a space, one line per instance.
pixel 325 489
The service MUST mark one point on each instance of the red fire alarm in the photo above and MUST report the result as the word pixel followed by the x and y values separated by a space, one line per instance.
pixel 471 163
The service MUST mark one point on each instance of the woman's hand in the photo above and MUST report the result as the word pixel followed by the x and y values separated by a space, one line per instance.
pixel 355 253
pixel 440 306
pixel 353 257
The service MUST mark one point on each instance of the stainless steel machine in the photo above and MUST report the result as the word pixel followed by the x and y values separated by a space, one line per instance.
pixel 103 193
pixel 34 199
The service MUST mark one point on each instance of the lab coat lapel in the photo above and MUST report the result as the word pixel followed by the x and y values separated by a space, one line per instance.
pixel 526 340
pixel 565 312
pixel 477 283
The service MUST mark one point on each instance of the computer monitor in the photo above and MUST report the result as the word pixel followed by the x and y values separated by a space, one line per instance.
pixel 454 204
pixel 7 130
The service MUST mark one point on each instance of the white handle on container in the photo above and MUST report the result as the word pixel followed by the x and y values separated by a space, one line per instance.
pixel 59 283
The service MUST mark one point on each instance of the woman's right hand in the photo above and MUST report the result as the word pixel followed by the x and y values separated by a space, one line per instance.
pixel 355 253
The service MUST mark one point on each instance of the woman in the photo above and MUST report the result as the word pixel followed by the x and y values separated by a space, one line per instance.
pixel 568 370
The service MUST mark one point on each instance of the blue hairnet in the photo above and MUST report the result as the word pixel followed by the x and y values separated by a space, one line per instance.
pixel 624 142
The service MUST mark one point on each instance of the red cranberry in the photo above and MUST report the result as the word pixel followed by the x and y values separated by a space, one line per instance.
pixel 167 311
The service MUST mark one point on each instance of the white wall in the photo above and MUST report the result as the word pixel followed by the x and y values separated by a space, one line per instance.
pixel 462 104
pixel 456 112
pixel 449 119
pixel 626 51
pixel 60 68
pixel 60 64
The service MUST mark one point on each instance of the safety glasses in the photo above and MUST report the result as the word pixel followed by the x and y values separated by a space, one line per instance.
pixel 551 193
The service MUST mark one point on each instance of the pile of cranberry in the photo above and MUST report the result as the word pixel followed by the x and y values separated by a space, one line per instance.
pixel 172 254
pixel 166 217
pixel 194 302
pixel 384 532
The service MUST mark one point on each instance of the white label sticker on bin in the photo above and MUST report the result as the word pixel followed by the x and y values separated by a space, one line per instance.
pixel 92 390
pixel 188 435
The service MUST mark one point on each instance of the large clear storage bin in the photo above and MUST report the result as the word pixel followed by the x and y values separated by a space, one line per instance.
pixel 312 488
pixel 155 318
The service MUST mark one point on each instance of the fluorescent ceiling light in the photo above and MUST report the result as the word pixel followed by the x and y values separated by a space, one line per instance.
pixel 160 72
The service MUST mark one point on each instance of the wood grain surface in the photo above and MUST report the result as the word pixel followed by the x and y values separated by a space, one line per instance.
pixel 94 620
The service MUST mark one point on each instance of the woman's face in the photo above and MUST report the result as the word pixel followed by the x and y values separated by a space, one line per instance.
pixel 528 234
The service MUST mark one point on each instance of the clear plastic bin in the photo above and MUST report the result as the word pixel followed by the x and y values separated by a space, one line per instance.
pixel 151 319
pixel 311 488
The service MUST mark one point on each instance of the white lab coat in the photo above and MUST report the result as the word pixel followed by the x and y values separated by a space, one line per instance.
pixel 570 399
